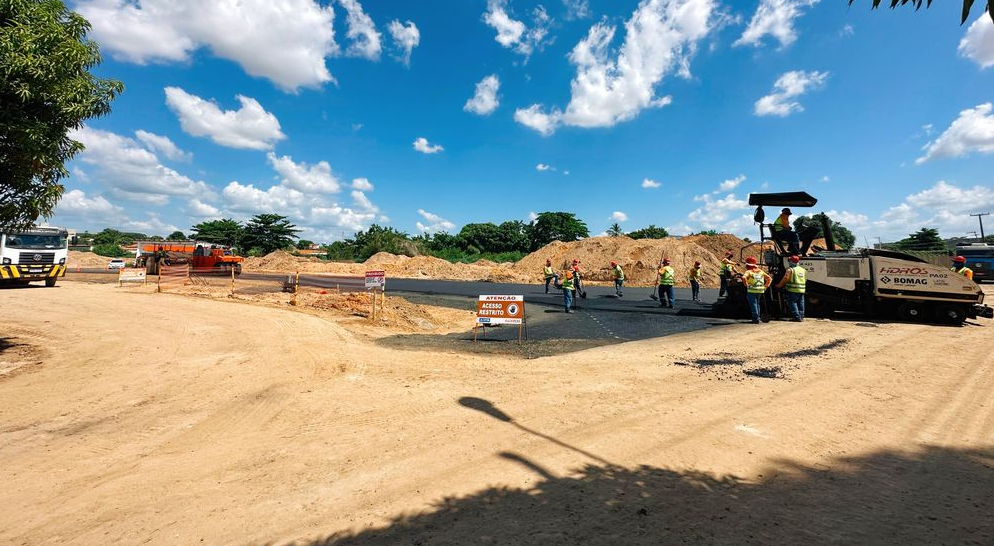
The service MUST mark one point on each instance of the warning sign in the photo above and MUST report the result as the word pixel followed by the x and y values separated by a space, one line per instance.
pixel 500 310
pixel 375 279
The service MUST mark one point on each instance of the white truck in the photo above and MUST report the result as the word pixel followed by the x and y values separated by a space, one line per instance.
pixel 36 254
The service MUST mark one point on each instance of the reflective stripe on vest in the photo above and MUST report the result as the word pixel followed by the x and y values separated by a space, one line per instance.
pixel 666 276
pixel 798 279
pixel 756 282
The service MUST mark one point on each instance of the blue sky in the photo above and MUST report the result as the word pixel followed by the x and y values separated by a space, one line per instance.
pixel 665 112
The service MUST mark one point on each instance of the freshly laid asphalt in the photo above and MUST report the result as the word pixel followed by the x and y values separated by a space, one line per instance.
pixel 602 316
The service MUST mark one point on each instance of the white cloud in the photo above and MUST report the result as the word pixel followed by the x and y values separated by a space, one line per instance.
pixel 76 204
pixel 978 42
pixel 847 30
pixel 363 203
pixel 532 216
pixel 161 144
pixel 152 225
pixel 774 18
pixel 302 177
pixel 725 214
pixel 514 34
pixel 362 31
pixel 406 37
pixel 576 9
pixel 421 144
pixel 619 216
pixel 131 171
pixel 731 183
pixel 660 37
pixel 485 100
pixel 435 223
pixel 286 41
pixel 649 183
pixel 250 127
pixel 198 209
pixel 972 131
pixel 787 87
pixel 362 184
pixel 541 167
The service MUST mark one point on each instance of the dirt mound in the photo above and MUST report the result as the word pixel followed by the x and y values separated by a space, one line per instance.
pixel 385 258
pixel 86 260
pixel 278 260
pixel 639 258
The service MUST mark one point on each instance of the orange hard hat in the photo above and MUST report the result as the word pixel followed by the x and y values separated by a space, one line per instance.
pixel 794 259
pixel 751 261
pixel 614 264
pixel 576 261
pixel 666 260
pixel 959 260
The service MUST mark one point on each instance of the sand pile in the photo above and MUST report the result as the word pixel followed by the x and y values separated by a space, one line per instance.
pixel 639 258
pixel 88 260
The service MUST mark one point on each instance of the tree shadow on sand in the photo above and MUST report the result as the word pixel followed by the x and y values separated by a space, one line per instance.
pixel 929 496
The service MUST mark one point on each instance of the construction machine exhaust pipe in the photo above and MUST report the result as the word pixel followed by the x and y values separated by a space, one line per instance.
pixel 827 230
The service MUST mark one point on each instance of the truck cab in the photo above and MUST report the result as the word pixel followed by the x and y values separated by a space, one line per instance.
pixel 36 254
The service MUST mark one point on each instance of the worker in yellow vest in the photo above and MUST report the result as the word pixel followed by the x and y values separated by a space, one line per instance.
pixel 756 282
pixel 784 232
pixel 619 278
pixel 959 266
pixel 695 281
pixel 726 272
pixel 568 288
pixel 666 279
pixel 794 281
pixel 550 275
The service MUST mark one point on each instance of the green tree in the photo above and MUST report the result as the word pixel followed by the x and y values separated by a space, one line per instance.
pixel 305 243
pixel 923 240
pixel 651 232
pixel 110 251
pixel 841 234
pixel 381 239
pixel 46 90
pixel 707 232
pixel 108 237
pixel 225 232
pixel 513 236
pixel 340 251
pixel 477 238
pixel 269 232
pixel 967 6
pixel 556 226
pixel 176 236
pixel 615 230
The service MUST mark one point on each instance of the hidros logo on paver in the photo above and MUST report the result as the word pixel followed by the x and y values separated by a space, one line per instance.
pixel 885 279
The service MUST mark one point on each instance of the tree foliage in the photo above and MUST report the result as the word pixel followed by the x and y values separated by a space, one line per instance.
pixel 46 90
pixel 615 230
pixel 176 236
pixel 651 232
pixel 924 240
pixel 841 234
pixel 225 232
pixel 269 232
pixel 556 226
pixel 967 6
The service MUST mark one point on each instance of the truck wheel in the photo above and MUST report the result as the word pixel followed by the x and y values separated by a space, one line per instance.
pixel 50 282
pixel 911 312
pixel 951 314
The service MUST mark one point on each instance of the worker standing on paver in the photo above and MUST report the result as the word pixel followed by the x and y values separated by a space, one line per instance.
pixel 568 288
pixel 726 272
pixel 959 266
pixel 756 282
pixel 795 280
pixel 619 278
pixel 695 281
pixel 550 275
pixel 784 232
pixel 666 279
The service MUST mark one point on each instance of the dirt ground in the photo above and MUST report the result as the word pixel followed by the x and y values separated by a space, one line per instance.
pixel 131 418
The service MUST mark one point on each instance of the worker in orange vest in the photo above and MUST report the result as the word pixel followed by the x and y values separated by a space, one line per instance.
pixel 756 282
pixel 959 266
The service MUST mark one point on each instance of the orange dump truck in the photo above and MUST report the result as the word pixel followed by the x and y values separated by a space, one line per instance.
pixel 202 257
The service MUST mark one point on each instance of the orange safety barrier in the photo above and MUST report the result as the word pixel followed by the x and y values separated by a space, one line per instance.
pixel 173 275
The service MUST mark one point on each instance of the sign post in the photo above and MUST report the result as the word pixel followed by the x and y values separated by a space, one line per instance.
pixel 496 309
pixel 375 280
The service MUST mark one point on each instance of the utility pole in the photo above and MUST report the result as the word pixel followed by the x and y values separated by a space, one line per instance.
pixel 980 216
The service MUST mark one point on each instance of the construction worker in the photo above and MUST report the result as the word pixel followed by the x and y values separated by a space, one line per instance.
pixel 959 266
pixel 784 232
pixel 578 280
pixel 550 275
pixel 756 282
pixel 568 288
pixel 726 272
pixel 666 278
pixel 695 281
pixel 619 277
pixel 794 280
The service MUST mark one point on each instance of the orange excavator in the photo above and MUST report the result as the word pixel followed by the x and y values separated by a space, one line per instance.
pixel 204 258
